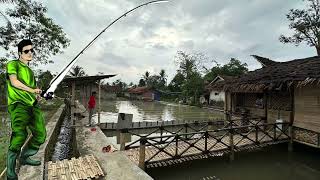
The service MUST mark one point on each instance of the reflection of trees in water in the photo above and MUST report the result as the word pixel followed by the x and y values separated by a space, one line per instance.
pixel 108 106
pixel 150 110
pixel 156 111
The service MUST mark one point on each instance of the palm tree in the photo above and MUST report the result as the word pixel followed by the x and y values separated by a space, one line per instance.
pixel 77 71
pixel 163 76
pixel 146 77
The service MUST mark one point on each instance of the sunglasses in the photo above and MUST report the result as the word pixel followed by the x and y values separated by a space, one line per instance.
pixel 27 51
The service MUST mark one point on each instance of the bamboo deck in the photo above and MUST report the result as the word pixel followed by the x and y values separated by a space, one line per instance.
pixel 82 168
pixel 219 149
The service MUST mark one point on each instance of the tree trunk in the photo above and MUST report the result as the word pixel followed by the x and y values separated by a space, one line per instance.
pixel 318 50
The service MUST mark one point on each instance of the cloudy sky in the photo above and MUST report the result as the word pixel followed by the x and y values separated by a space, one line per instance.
pixel 149 38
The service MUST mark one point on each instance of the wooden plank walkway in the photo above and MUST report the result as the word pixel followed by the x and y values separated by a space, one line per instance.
pixel 82 168
pixel 215 148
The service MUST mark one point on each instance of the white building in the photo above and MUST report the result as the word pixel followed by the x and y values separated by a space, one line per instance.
pixel 217 94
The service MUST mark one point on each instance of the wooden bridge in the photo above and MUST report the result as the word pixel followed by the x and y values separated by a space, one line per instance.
pixel 208 140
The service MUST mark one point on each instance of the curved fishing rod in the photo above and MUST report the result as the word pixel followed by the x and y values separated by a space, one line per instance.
pixel 49 92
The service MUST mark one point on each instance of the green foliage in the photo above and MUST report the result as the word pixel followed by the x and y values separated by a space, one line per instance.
pixel 188 80
pixel 77 71
pixel 29 21
pixel 141 83
pixel 306 25
pixel 44 79
pixel 121 84
pixel 177 82
pixel 233 68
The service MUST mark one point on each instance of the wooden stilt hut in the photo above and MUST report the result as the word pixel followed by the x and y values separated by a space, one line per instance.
pixel 281 91
pixel 81 89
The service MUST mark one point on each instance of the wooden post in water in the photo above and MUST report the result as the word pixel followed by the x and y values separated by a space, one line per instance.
pixel 142 153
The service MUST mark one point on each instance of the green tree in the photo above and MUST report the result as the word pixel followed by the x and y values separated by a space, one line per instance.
pixel 190 67
pixel 177 82
pixel 121 84
pixel 77 71
pixel 233 68
pixel 193 86
pixel 142 83
pixel 306 25
pixel 30 21
pixel 146 77
pixel 154 81
pixel 163 79
pixel 44 79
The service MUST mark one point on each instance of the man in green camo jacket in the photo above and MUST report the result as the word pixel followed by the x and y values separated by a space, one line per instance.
pixel 24 111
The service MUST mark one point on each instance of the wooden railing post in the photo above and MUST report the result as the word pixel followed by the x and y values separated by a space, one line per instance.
pixel 206 134
pixel 186 130
pixel 142 152
pixel 230 137
pixel 275 132
pixel 161 132
pixel 257 134
pixel 318 139
pixel 177 145
pixel 231 144
pixel 290 144
pixel 122 139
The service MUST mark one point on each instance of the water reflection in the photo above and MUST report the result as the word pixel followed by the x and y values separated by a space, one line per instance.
pixel 155 111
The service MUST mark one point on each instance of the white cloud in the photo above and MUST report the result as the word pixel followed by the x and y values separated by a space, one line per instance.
pixel 148 38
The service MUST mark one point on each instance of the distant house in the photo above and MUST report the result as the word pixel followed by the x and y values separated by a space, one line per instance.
pixel 144 93
pixel 281 91
pixel 215 88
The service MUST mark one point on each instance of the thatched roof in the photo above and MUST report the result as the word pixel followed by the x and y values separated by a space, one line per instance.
pixel 219 82
pixel 86 79
pixel 264 61
pixel 278 75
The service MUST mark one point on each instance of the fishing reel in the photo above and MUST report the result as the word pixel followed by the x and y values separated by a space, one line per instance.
pixel 47 95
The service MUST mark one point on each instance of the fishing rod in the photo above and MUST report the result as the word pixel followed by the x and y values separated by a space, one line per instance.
pixel 49 92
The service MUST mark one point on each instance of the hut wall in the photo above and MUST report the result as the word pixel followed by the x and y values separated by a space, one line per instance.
pixel 307 107
pixel 273 115
pixel 278 104
pixel 217 95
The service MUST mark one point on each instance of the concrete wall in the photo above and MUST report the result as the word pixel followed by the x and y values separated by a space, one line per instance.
pixel 219 97
pixel 116 165
pixel 52 127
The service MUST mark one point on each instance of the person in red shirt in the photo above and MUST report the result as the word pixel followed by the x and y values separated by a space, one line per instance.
pixel 91 106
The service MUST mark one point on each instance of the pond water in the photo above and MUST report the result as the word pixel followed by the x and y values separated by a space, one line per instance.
pixel 271 163
pixel 155 111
